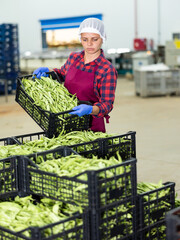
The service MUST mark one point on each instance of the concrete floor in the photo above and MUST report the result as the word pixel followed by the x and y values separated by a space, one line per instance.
pixel 156 121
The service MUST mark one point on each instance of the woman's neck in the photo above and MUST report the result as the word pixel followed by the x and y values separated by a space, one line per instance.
pixel 91 57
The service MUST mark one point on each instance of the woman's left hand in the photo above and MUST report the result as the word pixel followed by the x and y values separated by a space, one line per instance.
pixel 82 109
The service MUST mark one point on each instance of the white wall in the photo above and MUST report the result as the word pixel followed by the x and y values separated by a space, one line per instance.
pixel 118 18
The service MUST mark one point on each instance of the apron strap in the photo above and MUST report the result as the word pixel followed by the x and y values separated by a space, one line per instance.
pixel 107 117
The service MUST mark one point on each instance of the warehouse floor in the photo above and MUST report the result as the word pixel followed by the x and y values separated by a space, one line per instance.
pixel 155 120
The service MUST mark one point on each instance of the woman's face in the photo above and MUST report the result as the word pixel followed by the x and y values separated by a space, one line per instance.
pixel 91 42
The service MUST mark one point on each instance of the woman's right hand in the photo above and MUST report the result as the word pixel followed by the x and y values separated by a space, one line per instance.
pixel 41 72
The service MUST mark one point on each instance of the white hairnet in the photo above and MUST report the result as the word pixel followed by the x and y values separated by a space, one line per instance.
pixel 92 25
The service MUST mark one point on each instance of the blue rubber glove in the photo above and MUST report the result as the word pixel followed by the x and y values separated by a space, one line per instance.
pixel 82 109
pixel 41 72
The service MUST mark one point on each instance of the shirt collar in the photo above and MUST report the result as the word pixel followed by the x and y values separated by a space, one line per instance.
pixel 99 59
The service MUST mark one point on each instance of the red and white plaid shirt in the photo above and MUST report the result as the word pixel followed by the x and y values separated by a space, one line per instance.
pixel 105 78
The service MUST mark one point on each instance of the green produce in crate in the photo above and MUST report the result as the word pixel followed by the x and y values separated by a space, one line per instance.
pixel 8 180
pixel 112 175
pixel 25 212
pixel 74 164
pixel 68 139
pixel 143 187
pixel 49 94
pixel 120 216
pixel 155 206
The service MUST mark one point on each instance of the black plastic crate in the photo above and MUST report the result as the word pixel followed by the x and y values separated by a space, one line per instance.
pixel 125 144
pixel 97 190
pixel 152 206
pixel 48 121
pixel 156 231
pixel 9 177
pixel 69 228
pixel 116 221
pixel 173 224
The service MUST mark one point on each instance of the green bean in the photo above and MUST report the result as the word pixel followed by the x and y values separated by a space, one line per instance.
pixel 49 94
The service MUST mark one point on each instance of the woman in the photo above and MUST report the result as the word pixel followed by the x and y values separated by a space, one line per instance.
pixel 89 75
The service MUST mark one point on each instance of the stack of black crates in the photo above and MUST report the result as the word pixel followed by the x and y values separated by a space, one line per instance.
pixel 112 209
pixel 9 57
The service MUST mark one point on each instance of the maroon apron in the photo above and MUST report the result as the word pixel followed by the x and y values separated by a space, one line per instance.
pixel 81 83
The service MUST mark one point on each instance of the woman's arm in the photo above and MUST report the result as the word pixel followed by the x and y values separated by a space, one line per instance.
pixel 105 90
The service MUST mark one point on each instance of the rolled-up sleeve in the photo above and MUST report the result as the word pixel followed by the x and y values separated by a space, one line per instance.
pixel 105 89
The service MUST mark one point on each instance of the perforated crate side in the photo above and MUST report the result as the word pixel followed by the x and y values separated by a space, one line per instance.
pixel 125 144
pixel 121 185
pixel 9 177
pixel 97 188
pixel 116 221
pixel 156 231
pixel 71 123
pixel 88 149
pixel 151 205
